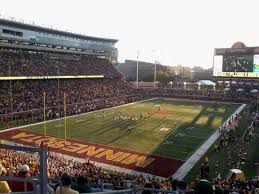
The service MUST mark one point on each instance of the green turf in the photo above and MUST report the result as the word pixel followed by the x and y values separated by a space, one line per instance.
pixel 145 135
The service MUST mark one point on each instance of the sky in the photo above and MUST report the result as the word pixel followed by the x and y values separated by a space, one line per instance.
pixel 169 31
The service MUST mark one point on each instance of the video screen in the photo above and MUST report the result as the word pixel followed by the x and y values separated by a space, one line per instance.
pixel 236 66
pixel 243 63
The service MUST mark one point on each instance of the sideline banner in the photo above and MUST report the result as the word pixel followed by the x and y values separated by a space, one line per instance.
pixel 52 77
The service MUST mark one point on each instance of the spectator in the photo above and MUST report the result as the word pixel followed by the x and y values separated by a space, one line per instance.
pixel 17 186
pixel 204 187
pixel 147 185
pixel 4 187
pixel 67 181
pixel 49 188
pixel 82 186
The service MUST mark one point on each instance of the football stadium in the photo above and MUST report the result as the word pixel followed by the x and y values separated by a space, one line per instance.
pixel 73 121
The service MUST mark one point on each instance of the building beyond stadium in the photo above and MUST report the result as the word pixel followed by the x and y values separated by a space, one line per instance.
pixel 17 35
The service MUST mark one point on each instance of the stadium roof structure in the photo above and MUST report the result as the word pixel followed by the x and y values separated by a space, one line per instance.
pixel 238 45
pixel 237 48
pixel 26 26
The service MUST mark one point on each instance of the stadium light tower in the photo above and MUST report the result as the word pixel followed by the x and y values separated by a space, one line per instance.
pixel 137 68
pixel 10 92
pixel 155 75
pixel 58 95
pixel 154 55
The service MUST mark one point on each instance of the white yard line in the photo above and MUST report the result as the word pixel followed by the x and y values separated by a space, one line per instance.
pixel 197 155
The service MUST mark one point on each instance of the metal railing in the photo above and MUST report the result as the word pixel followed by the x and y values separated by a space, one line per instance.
pixel 43 178
pixel 137 190
pixel 126 191
pixel 33 180
pixel 20 193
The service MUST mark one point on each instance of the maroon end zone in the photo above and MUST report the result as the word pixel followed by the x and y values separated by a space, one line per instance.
pixel 152 164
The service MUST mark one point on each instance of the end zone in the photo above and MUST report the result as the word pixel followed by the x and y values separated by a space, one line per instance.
pixel 118 158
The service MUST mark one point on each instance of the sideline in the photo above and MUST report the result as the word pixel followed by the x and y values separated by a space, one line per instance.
pixel 197 155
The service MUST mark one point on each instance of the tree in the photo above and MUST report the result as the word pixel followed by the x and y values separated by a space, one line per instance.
pixel 163 77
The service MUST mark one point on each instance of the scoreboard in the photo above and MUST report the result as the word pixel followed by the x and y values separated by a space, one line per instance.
pixel 241 65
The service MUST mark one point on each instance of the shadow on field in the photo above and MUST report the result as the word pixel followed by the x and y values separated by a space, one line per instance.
pixel 182 147
pixel 179 142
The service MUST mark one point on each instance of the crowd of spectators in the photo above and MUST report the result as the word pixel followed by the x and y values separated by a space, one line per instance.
pixel 28 95
pixel 23 164
pixel 84 177
pixel 32 63
pixel 82 95
pixel 232 142
pixel 23 100
pixel 203 93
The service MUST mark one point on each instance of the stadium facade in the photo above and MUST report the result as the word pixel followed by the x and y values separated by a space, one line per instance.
pixel 17 35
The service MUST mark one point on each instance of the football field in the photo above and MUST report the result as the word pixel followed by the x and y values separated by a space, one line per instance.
pixel 164 128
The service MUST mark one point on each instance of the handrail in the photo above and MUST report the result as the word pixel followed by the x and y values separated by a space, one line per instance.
pixel 20 193
pixel 133 190
pixel 114 192
pixel 33 180
pixel 19 179
pixel 43 166
pixel 158 190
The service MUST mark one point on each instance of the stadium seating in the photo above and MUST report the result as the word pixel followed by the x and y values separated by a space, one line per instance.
pixel 204 94
pixel 25 63
pixel 82 94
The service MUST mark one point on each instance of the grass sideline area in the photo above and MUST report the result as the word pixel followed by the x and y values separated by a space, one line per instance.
pixel 173 129
pixel 248 167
